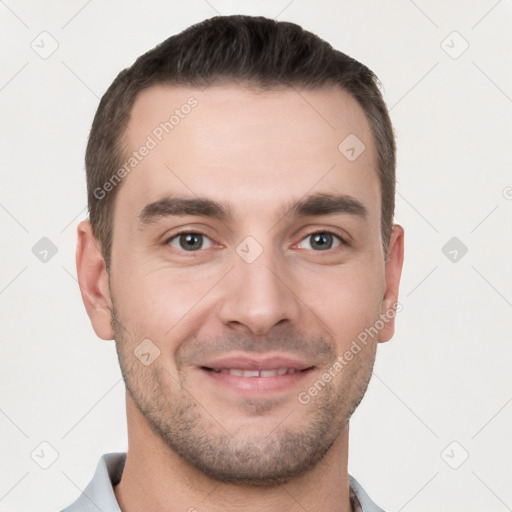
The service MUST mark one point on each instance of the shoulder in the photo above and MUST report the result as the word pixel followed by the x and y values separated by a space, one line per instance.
pixel 367 504
pixel 99 493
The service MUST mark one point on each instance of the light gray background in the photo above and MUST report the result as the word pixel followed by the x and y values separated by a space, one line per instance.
pixel 446 375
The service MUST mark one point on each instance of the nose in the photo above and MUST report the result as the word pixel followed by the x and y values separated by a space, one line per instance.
pixel 259 296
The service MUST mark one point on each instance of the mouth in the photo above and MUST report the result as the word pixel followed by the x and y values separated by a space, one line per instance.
pixel 256 376
pixel 254 373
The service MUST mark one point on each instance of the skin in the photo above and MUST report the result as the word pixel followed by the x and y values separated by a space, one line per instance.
pixel 255 153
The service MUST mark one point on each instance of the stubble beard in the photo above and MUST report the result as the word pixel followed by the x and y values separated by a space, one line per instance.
pixel 262 459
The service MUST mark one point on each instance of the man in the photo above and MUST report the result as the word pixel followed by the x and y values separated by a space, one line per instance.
pixel 242 253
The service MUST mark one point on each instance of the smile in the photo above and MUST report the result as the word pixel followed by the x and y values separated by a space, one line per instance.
pixel 256 376
pixel 254 373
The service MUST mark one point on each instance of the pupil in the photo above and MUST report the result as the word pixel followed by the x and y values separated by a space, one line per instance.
pixel 191 241
pixel 322 241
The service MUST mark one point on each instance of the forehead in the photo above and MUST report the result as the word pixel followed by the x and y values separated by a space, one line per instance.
pixel 247 147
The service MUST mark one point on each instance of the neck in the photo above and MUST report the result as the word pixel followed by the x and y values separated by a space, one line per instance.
pixel 156 478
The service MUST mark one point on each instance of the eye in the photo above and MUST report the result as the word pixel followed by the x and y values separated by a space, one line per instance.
pixel 321 241
pixel 190 241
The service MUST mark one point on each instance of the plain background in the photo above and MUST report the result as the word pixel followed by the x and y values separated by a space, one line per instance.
pixel 433 432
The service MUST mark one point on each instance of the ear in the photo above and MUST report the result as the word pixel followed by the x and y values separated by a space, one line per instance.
pixel 93 281
pixel 393 272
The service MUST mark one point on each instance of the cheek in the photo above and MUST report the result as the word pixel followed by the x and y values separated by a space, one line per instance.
pixel 347 299
pixel 159 302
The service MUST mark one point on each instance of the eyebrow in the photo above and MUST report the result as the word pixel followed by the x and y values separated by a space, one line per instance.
pixel 314 205
pixel 327 204
pixel 181 206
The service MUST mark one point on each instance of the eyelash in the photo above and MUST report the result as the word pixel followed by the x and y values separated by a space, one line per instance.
pixel 325 232
pixel 181 233
pixel 342 240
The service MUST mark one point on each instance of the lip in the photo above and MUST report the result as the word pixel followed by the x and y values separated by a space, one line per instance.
pixel 256 385
pixel 256 363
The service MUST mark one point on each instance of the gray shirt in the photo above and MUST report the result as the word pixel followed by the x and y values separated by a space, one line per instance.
pixel 99 495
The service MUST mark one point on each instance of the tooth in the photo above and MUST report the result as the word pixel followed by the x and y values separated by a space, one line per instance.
pixel 251 373
pixel 257 373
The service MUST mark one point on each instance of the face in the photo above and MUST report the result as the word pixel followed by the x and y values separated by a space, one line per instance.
pixel 246 262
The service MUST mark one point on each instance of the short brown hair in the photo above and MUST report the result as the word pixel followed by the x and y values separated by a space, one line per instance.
pixel 249 50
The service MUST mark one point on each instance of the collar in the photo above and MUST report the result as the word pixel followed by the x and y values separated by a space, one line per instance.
pixel 99 495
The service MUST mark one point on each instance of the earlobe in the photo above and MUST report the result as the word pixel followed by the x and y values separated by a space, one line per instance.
pixel 93 281
pixel 393 272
